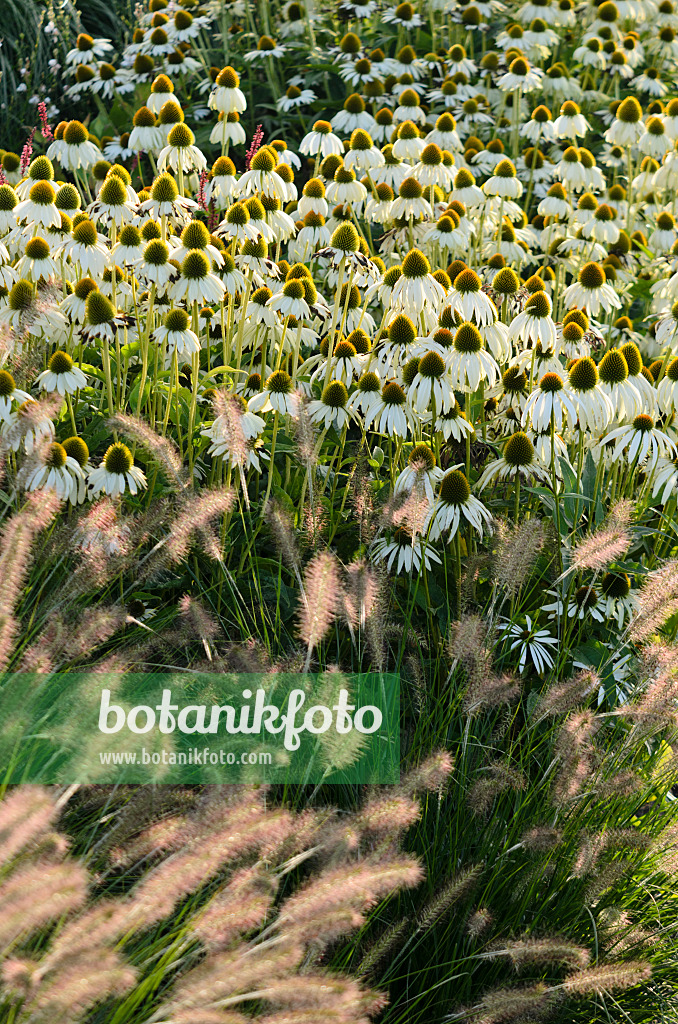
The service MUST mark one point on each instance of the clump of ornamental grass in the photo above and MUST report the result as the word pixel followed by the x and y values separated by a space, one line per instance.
pixel 227 861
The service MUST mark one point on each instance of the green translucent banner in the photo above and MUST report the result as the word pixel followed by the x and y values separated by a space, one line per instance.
pixel 199 728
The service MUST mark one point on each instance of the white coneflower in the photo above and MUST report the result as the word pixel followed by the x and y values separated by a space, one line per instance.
pixel 625 397
pixel 196 282
pixel 87 50
pixel 667 327
pixel 468 299
pixel 180 151
pixel 409 108
pixel 290 301
pixel 416 287
pixel 353 115
pixel 389 414
pixel 454 505
pixel 78 151
pixel 295 98
pixel 62 375
pixel 592 291
pixel 113 204
pixel 262 176
pixel 232 279
pixel 129 248
pixel 37 264
pixel 236 224
pixel 226 95
pixel 117 473
pixel 601 225
pixel 345 189
pixel 410 202
pixel 330 409
pixel 176 334
pixel 408 145
pixel 535 323
pixel 145 136
pixel 366 394
pixel 267 49
pixel 362 154
pixel 9 394
pixel 278 395
pixel 470 364
pixel 570 123
pixel 155 267
pixel 594 408
pixel 520 75
pixel 550 403
pixel 345 246
pixel 465 189
pixel 40 206
pixel 59 472
pixel 627 127
pixel 518 460
pixel 228 129
pixel 87 249
pixel 445 134
pixel 100 317
pixel 540 126
pixel 642 441
pixel 530 640
pixel 433 385
pixel 403 14
pixel 431 169
pixel 404 552
pixel 29 425
pixel 667 390
pixel 321 141
pixel 166 201
pixel 665 479
pixel 196 236
pixel 421 473
pixel 503 182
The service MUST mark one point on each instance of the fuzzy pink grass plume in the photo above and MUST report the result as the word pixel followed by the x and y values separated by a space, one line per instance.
pixel 17 541
pixel 607 543
pixel 320 601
